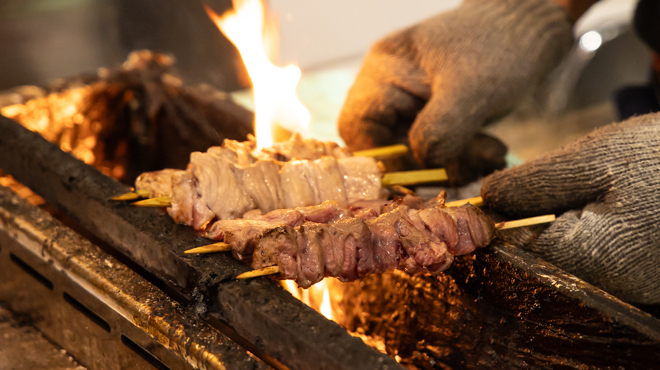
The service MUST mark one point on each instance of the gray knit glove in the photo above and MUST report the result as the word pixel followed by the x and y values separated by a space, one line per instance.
pixel 435 84
pixel 608 186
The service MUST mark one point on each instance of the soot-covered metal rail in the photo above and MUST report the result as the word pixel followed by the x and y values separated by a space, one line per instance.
pixel 258 310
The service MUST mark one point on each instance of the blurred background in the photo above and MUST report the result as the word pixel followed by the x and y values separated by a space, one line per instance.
pixel 43 40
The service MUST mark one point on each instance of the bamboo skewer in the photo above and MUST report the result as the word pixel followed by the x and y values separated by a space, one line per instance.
pixel 271 270
pixel 211 248
pixel 525 222
pixel 415 177
pixel 154 202
pixel 133 195
pixel 384 152
pixel 476 201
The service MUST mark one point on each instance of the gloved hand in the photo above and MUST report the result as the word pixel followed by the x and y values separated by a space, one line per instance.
pixel 435 84
pixel 608 187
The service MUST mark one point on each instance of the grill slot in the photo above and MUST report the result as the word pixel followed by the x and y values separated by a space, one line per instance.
pixel 143 353
pixel 86 311
pixel 31 271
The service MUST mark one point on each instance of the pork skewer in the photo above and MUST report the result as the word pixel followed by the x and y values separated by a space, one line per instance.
pixel 476 201
pixel 309 243
pixel 224 247
pixel 389 179
pixel 230 181
pixel 272 270
pixel 380 153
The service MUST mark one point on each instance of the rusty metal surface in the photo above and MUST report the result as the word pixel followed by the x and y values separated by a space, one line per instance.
pixel 104 314
pixel 259 310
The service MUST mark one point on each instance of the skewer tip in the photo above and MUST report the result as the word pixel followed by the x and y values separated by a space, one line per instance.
pixel 211 248
pixel 476 201
pixel 525 222
pixel 270 270
pixel 132 195
pixel 154 202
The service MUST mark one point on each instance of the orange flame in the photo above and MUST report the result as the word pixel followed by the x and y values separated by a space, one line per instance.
pixel 316 297
pixel 274 87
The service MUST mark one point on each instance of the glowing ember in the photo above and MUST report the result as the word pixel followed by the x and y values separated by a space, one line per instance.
pixel 274 87
pixel 56 117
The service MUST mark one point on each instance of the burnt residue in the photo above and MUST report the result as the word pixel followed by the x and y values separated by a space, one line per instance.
pixel 500 308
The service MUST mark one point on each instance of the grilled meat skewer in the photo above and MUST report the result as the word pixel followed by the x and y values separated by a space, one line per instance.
pixel 310 243
pixel 227 182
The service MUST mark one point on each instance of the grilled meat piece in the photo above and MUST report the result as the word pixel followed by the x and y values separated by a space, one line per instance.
pixel 217 186
pixel 361 178
pixel 307 149
pixel 296 188
pixel 183 197
pixel 471 233
pixel 261 180
pixel 354 235
pixel 242 235
pixel 325 180
pixel 278 247
pixel 157 183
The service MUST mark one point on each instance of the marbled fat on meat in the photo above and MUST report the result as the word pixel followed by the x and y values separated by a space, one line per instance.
pixel 361 178
pixel 325 180
pixel 261 180
pixel 217 186
pixel 296 188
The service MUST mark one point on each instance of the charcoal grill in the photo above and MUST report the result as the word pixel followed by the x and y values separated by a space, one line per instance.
pixel 498 308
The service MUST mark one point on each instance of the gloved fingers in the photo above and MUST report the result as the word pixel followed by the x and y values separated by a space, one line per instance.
pixel 566 178
pixel 579 173
pixel 482 155
pixel 380 106
pixel 448 122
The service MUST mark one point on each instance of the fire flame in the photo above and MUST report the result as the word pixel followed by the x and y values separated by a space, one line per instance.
pixel 274 87
pixel 317 296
